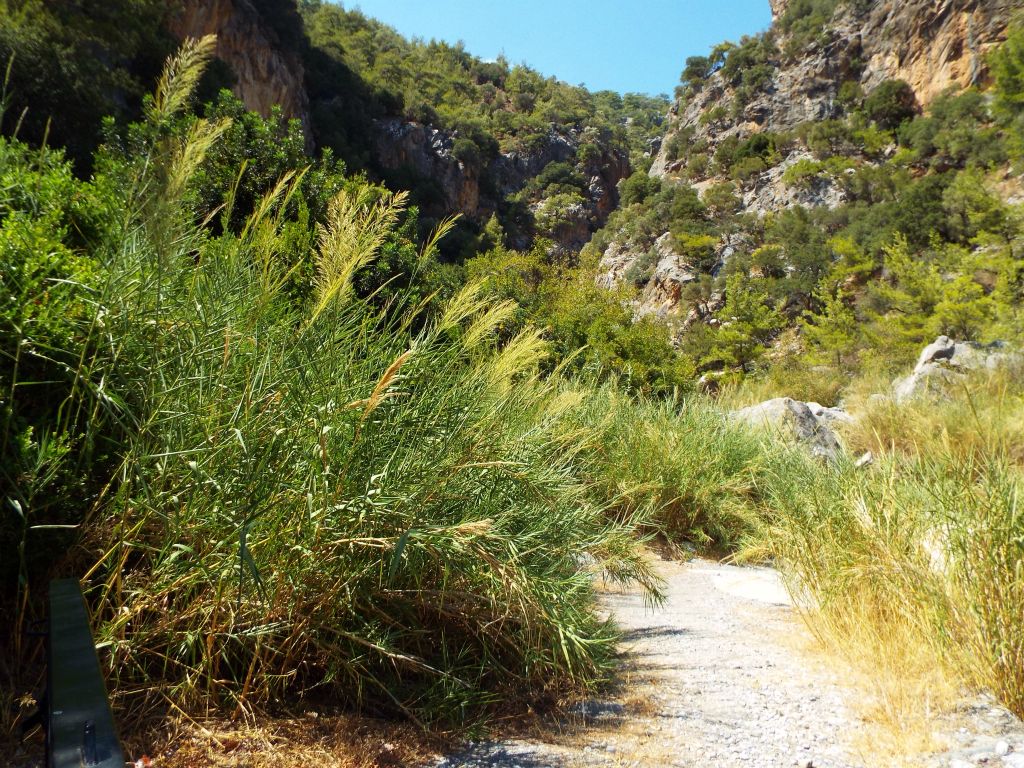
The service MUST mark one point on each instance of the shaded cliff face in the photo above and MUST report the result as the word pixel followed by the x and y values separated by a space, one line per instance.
pixel 477 191
pixel 267 72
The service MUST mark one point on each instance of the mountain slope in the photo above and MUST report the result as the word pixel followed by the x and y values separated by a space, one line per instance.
pixel 846 128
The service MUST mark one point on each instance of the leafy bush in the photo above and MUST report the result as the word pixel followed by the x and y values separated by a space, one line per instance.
pixel 53 231
pixel 1008 71
pixel 301 492
pixel 957 132
pixel 637 188
pixel 802 173
pixel 747 168
pixel 827 137
pixel 890 104
pixel 72 64
pixel 803 22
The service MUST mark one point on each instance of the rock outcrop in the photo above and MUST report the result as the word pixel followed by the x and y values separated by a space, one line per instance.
pixel 427 152
pixel 931 44
pixel 267 73
pixel 477 192
pixel 808 424
pixel 945 362
pixel 778 8
pixel 670 273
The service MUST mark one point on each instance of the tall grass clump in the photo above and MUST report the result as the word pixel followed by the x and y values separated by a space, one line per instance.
pixel 680 467
pixel 371 499
pixel 916 565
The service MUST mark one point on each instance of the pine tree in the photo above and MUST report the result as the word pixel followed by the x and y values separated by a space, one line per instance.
pixel 834 331
pixel 748 323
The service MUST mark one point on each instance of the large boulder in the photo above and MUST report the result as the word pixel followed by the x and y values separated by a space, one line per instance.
pixel 945 362
pixel 796 420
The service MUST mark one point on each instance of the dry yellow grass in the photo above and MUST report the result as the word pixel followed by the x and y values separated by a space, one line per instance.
pixel 903 687
pixel 309 739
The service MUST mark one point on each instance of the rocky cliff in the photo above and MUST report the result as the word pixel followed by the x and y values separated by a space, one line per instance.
pixel 778 8
pixel 263 43
pixel 477 191
pixel 930 44
pixel 267 73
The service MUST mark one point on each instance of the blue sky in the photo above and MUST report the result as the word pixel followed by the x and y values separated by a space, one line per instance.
pixel 620 45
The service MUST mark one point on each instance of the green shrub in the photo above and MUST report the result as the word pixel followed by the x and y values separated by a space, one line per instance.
pixel 802 173
pixel 890 104
pixel 72 64
pixel 1008 71
pixel 747 168
pixel 303 491
pixel 850 95
pixel 54 232
pixel 714 115
pixel 637 188
pixel 826 138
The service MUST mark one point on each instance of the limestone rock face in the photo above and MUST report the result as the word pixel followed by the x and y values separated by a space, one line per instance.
pixel 769 193
pixel 267 72
pixel 945 362
pixel 932 44
pixel 795 420
pixel 778 8
pixel 427 152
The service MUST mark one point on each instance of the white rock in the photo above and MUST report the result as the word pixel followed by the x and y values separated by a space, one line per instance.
pixel 945 361
pixel 794 419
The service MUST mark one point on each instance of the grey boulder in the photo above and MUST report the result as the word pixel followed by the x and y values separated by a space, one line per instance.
pixel 796 420
pixel 945 362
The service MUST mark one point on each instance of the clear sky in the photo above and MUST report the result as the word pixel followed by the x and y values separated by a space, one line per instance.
pixel 620 45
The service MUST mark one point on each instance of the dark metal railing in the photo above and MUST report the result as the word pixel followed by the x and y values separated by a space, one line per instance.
pixel 80 728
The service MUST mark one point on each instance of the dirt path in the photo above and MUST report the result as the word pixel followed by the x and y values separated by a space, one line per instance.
pixel 721 676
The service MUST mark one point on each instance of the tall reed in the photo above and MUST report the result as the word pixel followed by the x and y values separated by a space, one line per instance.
pixel 380 503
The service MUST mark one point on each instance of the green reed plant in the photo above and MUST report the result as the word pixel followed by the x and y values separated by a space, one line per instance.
pixel 382 504
pixel 679 466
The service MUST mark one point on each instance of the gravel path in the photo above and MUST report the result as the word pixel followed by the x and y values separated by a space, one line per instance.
pixel 719 676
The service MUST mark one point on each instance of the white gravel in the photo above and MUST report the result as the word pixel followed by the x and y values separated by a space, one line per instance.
pixel 724 675
pixel 724 681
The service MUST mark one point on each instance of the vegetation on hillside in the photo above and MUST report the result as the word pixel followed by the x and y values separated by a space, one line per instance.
pixel 279 480
pixel 68 65
pixel 492 105
pixel 924 244
pixel 290 450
